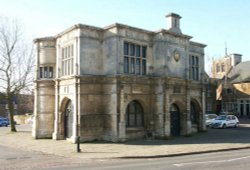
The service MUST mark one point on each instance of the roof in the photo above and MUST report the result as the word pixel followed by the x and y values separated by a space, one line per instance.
pixel 240 73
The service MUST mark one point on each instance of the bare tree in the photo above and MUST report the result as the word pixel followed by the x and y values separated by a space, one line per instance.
pixel 16 64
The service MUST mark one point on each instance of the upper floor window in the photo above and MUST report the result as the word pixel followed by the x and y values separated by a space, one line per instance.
pixel 217 68
pixel 194 64
pixel 67 60
pixel 134 58
pixel 46 72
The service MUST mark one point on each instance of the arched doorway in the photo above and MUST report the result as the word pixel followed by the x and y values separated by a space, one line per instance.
pixel 175 120
pixel 194 114
pixel 134 115
pixel 68 119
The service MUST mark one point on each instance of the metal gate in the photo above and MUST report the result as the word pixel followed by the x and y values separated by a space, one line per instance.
pixel 68 121
pixel 175 120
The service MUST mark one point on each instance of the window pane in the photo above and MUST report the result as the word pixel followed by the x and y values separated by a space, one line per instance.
pixel 131 119
pixel 144 50
pixel 138 119
pixel 193 73
pixel 68 67
pixel 193 62
pixel 72 68
pixel 132 65
pixel 132 107
pixel 127 118
pixel 45 72
pixel 72 50
pixel 125 48
pixel 138 66
pixel 68 51
pixel 50 72
pixel 197 73
pixel 41 72
pixel 125 64
pixel 138 50
pixel 197 61
pixel 143 67
pixel 63 53
pixel 132 49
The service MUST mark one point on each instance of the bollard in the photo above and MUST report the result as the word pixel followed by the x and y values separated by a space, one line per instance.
pixel 78 144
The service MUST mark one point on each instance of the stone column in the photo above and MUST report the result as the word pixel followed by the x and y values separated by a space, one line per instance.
pixel 35 123
pixel 122 125
pixel 75 112
pixel 56 134
pixel 167 123
pixel 188 128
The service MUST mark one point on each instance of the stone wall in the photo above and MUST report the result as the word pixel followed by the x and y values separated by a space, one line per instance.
pixel 44 109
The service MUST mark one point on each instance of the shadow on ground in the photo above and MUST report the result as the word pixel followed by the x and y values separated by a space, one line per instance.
pixel 211 136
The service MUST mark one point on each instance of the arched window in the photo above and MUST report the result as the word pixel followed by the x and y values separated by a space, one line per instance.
pixel 134 115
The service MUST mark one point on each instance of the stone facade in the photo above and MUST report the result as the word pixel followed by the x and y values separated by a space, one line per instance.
pixel 222 66
pixel 118 83
pixel 233 91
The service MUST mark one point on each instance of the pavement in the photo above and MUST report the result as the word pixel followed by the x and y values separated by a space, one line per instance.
pixel 213 140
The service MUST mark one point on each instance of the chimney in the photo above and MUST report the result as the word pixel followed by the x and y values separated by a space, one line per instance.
pixel 173 22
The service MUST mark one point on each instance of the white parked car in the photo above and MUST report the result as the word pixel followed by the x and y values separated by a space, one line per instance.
pixel 225 121
pixel 210 118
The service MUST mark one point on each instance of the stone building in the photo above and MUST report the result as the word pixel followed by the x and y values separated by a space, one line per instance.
pixel 233 90
pixel 222 66
pixel 118 83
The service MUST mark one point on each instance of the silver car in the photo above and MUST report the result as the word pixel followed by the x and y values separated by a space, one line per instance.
pixel 225 121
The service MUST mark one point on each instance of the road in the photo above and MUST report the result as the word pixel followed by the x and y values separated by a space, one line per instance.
pixel 229 160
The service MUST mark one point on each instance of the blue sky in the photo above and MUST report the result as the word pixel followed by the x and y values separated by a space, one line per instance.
pixel 212 22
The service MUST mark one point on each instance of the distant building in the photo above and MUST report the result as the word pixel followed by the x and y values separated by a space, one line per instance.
pixel 211 102
pixel 119 82
pixel 222 66
pixel 233 91
pixel 23 103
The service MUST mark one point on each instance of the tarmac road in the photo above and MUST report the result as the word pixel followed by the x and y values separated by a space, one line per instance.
pixel 229 160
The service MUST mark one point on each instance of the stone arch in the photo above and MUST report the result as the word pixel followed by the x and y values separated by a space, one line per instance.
pixel 66 116
pixel 177 118
pixel 138 131
pixel 195 113
pixel 175 122
pixel 134 114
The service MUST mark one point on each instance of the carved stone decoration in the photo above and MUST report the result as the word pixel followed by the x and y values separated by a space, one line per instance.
pixel 177 56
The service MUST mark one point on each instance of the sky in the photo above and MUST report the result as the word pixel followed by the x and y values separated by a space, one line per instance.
pixel 216 23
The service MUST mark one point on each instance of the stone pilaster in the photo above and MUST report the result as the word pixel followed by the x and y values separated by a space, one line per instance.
pixel 122 124
pixel 56 134
pixel 167 123
pixel 188 123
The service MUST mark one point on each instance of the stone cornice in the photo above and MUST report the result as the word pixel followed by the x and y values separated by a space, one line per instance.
pixel 197 44
pixel 164 31
pixel 44 39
